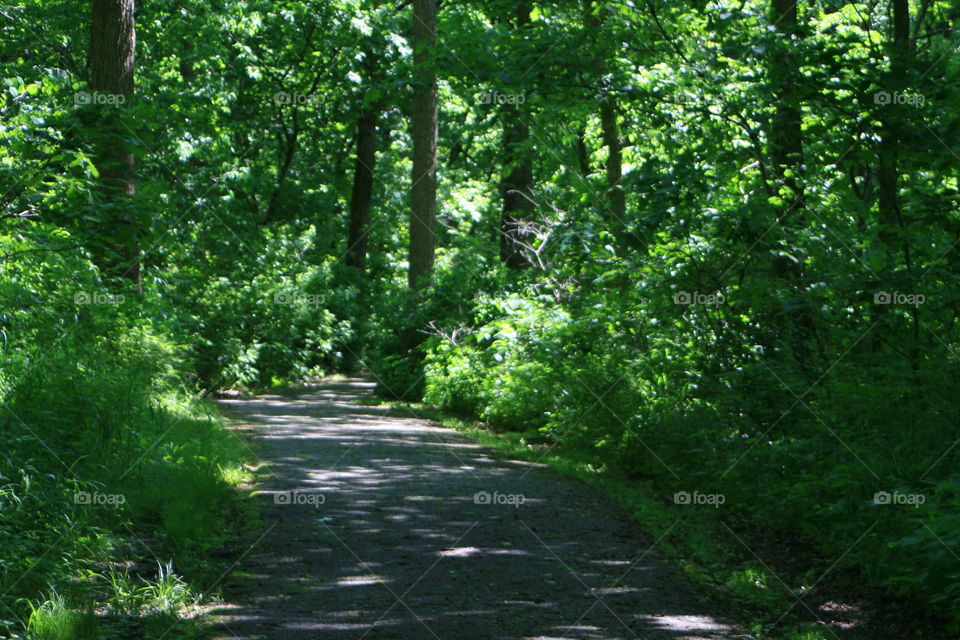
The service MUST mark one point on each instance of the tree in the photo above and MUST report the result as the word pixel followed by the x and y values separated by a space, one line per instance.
pixel 515 188
pixel 616 198
pixel 786 134
pixel 112 60
pixel 889 149
pixel 516 185
pixel 616 204
pixel 361 196
pixel 786 154
pixel 423 126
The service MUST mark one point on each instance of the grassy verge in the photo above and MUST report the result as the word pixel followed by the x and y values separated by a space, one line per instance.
pixel 119 537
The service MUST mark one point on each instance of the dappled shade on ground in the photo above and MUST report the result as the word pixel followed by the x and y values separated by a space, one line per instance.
pixel 399 529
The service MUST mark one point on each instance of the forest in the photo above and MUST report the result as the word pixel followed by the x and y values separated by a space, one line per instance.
pixel 700 255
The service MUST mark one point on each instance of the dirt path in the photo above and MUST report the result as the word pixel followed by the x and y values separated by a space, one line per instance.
pixel 422 533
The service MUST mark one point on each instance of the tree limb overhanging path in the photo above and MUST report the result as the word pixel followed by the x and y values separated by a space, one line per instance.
pixel 380 526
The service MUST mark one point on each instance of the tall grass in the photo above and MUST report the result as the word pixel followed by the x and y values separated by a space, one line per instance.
pixel 108 461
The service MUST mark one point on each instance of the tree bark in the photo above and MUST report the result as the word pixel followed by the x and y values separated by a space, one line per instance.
pixel 616 198
pixel 786 134
pixel 423 126
pixel 516 186
pixel 583 154
pixel 616 203
pixel 785 149
pixel 361 197
pixel 112 60
pixel 890 215
pixel 889 155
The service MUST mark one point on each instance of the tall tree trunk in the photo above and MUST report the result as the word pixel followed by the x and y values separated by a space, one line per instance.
pixel 786 135
pixel 785 150
pixel 892 224
pixel 112 58
pixel 583 154
pixel 889 154
pixel 516 186
pixel 287 141
pixel 361 196
pixel 616 205
pixel 423 126
pixel 616 198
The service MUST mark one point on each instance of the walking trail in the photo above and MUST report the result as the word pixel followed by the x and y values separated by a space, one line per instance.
pixel 379 526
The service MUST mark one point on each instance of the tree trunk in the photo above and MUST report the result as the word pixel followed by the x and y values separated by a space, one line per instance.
pixel 892 224
pixel 786 136
pixel 616 198
pixel 889 156
pixel 616 205
pixel 785 150
pixel 583 154
pixel 112 57
pixel 516 186
pixel 423 126
pixel 361 197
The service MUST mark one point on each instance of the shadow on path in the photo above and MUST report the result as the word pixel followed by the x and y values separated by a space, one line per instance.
pixel 385 527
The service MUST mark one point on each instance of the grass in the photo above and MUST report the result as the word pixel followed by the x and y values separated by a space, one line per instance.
pixel 55 620
pixel 103 566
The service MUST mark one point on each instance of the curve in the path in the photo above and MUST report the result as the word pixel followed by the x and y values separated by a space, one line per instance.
pixel 384 527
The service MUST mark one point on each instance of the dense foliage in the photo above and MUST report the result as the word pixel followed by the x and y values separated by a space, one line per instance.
pixel 706 246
